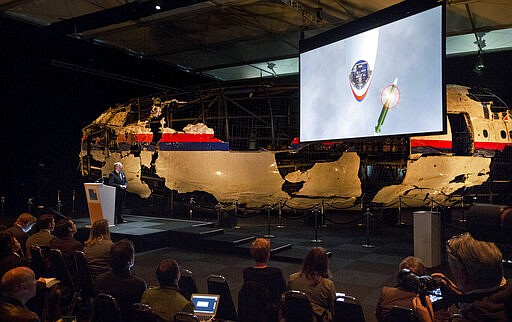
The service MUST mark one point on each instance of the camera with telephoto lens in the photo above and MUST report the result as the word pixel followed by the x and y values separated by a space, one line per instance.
pixel 424 285
pixel 415 283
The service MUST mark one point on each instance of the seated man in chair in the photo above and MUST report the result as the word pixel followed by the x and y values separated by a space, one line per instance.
pixel 166 300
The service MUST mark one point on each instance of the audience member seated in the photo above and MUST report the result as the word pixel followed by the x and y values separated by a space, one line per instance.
pixel 166 300
pixel 400 295
pixel 9 256
pixel 65 242
pixel 477 271
pixel 314 281
pixel 20 229
pixel 17 287
pixel 120 282
pixel 45 224
pixel 97 248
pixel 271 277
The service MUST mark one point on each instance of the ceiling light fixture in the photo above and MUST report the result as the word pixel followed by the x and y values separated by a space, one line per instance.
pixel 479 66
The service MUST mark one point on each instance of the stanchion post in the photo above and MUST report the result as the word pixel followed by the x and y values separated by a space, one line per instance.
pixel 400 223
pixel 280 213
pixel 2 200
pixel 368 214
pixel 236 226
pixel 322 213
pixel 30 202
pixel 268 235
pixel 361 224
pixel 73 203
pixel 218 207
pixel 59 202
pixel 463 219
pixel 316 211
pixel 190 205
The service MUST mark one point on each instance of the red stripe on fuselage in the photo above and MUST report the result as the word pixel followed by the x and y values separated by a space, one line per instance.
pixel 444 144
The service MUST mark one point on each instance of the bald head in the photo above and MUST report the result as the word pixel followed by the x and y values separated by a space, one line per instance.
pixel 19 283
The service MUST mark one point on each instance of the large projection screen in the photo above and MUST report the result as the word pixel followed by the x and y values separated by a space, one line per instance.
pixel 382 81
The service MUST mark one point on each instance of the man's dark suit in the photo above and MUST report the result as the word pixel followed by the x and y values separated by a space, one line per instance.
pixel 117 180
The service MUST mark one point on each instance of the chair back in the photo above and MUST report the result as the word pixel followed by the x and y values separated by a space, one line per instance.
pixel 217 284
pixel 400 314
pixel 187 283
pixel 296 307
pixel 255 304
pixel 144 313
pixel 185 317
pixel 348 309
pixel 106 309
pixel 85 280
pixel 60 269
pixel 39 261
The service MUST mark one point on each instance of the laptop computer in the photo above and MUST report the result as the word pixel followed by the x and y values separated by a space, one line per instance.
pixel 205 305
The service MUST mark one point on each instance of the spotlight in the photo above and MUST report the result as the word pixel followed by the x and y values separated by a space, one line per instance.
pixel 157 7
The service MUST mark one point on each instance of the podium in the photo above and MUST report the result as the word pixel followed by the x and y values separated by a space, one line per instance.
pixel 101 200
pixel 427 237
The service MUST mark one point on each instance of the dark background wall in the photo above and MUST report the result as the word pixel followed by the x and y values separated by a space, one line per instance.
pixel 44 108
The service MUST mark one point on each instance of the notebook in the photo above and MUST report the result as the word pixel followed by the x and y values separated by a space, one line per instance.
pixel 205 305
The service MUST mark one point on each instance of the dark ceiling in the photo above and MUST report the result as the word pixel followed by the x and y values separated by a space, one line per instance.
pixel 199 36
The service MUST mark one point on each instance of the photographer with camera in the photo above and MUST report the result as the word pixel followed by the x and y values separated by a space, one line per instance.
pixel 408 293
pixel 477 271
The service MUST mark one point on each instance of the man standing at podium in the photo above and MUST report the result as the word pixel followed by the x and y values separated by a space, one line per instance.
pixel 117 179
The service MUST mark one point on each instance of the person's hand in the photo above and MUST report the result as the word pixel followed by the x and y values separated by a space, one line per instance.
pixel 422 307
pixel 446 283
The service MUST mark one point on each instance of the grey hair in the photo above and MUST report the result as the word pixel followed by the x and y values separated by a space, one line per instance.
pixel 479 261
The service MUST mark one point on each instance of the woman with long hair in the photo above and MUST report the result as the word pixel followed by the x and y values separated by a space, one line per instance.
pixel 314 280
pixel 97 248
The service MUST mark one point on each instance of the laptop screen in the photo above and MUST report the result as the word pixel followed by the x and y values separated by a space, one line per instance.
pixel 205 303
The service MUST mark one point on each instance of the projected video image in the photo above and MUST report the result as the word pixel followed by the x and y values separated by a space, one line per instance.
pixel 381 82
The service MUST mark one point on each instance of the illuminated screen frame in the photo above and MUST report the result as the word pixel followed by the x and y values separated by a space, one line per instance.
pixel 369 79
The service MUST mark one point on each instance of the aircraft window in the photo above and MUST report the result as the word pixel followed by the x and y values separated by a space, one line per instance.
pixel 503 134
pixel 486 134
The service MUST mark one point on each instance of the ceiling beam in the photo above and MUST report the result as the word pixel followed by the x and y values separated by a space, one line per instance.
pixel 130 11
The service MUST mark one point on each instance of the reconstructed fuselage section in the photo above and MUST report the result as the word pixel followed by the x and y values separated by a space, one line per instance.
pixel 198 160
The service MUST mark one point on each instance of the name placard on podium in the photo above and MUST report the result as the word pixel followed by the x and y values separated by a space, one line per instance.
pixel 101 200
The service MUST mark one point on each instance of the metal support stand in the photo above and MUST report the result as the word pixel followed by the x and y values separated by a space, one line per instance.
pixel 236 226
pixel 73 203
pixel 59 202
pixel 400 223
pixel 280 216
pixel 268 235
pixel 368 215
pixel 30 203
pixel 316 212
pixel 2 200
